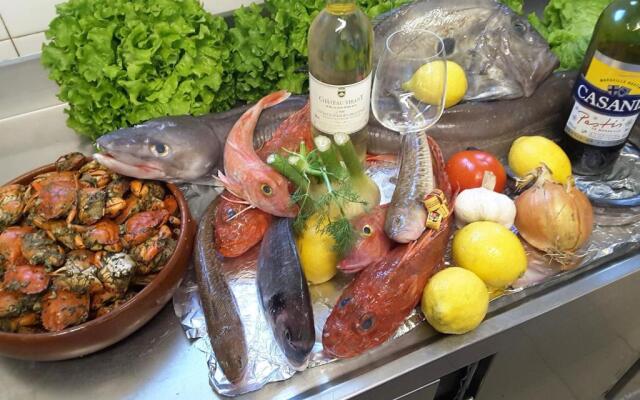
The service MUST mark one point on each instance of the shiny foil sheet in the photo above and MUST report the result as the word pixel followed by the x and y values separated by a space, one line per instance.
pixel 617 229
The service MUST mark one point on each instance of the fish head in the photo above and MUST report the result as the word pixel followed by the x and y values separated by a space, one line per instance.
pixel 524 54
pixel 238 227
pixel 405 224
pixel 295 339
pixel 371 244
pixel 180 148
pixel 269 191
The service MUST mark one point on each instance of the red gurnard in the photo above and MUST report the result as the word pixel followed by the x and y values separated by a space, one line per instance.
pixel 372 243
pixel 238 227
pixel 295 129
pixel 378 300
pixel 246 175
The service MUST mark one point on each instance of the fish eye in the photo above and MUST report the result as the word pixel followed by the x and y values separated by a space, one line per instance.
pixel 160 149
pixel 266 189
pixel 230 213
pixel 344 302
pixel 366 322
pixel 287 335
pixel 519 27
pixel 367 231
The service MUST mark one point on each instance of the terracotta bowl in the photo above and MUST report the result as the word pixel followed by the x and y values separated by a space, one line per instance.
pixel 104 331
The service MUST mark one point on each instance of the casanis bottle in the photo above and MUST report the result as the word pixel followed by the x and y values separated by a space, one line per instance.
pixel 340 64
pixel 606 96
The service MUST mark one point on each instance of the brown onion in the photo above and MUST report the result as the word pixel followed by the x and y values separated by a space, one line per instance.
pixel 554 218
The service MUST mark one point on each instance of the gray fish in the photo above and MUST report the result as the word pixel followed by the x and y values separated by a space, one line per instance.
pixel 503 55
pixel 284 294
pixel 406 216
pixel 189 149
pixel 224 325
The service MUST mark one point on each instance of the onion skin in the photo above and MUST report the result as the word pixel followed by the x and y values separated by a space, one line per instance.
pixel 554 218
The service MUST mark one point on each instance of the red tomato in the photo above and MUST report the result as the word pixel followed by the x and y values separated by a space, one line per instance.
pixel 466 170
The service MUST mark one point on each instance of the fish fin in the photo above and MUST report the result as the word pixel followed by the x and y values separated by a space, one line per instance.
pixel 274 98
pixel 231 186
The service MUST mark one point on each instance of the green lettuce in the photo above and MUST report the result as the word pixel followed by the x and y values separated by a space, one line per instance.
pixel 515 5
pixel 568 26
pixel 121 62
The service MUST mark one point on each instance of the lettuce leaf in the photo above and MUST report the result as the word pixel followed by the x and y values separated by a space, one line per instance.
pixel 568 26
pixel 515 5
pixel 122 62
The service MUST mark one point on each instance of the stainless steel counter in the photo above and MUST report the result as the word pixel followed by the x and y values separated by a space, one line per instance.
pixel 158 361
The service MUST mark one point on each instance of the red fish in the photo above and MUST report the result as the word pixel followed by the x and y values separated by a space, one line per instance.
pixel 372 244
pixel 295 129
pixel 246 175
pixel 378 300
pixel 238 228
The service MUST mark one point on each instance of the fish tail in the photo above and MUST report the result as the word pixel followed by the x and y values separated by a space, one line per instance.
pixel 274 98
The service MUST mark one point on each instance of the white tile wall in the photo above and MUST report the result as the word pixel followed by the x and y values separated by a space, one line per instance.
pixel 7 51
pixel 3 31
pixel 23 17
pixel 222 6
pixel 26 20
pixel 30 44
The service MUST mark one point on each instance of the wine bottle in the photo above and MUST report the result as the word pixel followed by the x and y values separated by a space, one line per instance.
pixel 340 64
pixel 606 97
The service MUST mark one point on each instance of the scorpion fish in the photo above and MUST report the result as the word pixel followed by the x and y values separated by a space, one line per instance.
pixel 375 303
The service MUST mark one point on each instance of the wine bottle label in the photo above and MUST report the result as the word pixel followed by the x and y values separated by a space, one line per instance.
pixel 607 102
pixel 339 109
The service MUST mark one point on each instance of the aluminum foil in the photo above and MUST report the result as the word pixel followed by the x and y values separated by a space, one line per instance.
pixel 266 361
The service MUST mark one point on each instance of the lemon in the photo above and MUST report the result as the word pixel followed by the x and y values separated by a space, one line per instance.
pixel 455 301
pixel 318 259
pixel 426 83
pixel 491 251
pixel 528 152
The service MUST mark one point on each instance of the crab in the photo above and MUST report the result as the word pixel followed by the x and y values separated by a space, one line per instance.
pixel 24 323
pixel 154 252
pixel 104 309
pixel 55 195
pixel 60 231
pixel 116 190
pixel 39 249
pixel 12 204
pixel 70 162
pixel 116 271
pixel 91 205
pixel 64 308
pixel 27 279
pixel 93 174
pixel 11 243
pixel 11 303
pixel 105 235
pixel 143 225
pixel 78 275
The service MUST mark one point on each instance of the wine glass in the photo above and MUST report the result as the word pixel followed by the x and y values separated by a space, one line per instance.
pixel 403 101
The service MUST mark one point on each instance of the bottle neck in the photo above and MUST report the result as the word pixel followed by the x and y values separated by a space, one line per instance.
pixel 341 7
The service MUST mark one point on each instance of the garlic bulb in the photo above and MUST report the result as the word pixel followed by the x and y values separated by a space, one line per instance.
pixel 482 204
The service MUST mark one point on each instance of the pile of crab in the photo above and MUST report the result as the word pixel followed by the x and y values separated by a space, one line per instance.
pixel 79 242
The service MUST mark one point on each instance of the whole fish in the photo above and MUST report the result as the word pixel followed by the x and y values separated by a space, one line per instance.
pixel 407 217
pixel 224 325
pixel 503 56
pixel 289 134
pixel 189 149
pixel 238 227
pixel 245 174
pixel 378 300
pixel 372 244
pixel 284 294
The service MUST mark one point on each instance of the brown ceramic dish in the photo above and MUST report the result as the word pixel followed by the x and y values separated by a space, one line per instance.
pixel 104 331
